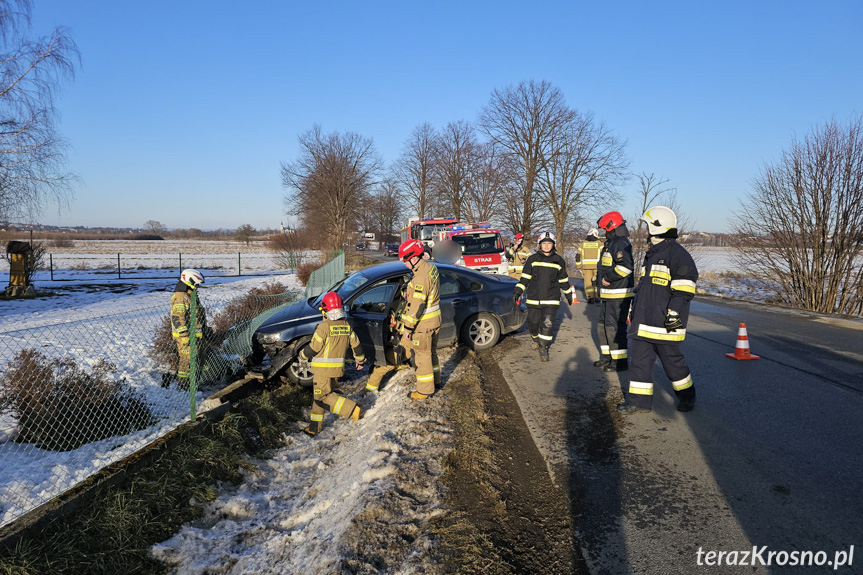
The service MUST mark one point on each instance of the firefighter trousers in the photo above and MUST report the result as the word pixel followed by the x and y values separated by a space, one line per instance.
pixel 612 328
pixel 643 356
pixel 540 322
pixel 424 350
pixel 379 372
pixel 590 290
pixel 326 400
pixel 184 351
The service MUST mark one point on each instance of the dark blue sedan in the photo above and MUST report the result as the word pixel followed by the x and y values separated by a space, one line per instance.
pixel 476 309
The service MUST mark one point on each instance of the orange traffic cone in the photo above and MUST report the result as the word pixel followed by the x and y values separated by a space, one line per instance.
pixel 741 350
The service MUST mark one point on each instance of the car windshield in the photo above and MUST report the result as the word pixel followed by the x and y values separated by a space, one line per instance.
pixel 346 287
pixel 475 244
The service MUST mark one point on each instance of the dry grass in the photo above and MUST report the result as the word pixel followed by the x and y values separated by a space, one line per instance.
pixel 60 406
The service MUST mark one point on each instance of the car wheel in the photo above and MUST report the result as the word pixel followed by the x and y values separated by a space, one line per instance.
pixel 297 375
pixel 481 332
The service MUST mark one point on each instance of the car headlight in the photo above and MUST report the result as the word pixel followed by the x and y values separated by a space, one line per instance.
pixel 459 262
pixel 267 338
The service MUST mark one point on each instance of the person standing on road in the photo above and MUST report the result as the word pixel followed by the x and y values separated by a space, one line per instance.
pixel 181 324
pixel 543 278
pixel 660 312
pixel 517 254
pixel 421 317
pixel 586 260
pixel 616 284
pixel 327 351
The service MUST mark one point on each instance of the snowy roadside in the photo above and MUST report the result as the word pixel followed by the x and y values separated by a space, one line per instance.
pixel 359 497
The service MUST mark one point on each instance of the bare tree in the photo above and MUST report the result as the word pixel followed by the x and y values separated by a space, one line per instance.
pixel 245 233
pixel 804 220
pixel 329 181
pixel 492 183
pixel 655 191
pixel 387 208
pixel 414 171
pixel 454 155
pixel 586 165
pixel 155 227
pixel 31 151
pixel 526 120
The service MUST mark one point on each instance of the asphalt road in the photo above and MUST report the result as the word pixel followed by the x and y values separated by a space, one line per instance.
pixel 771 456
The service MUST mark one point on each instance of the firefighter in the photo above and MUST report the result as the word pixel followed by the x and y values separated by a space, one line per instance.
pixel 586 260
pixel 421 317
pixel 616 288
pixel 660 312
pixel 327 351
pixel 517 254
pixel 181 309
pixel 543 278
pixel 394 352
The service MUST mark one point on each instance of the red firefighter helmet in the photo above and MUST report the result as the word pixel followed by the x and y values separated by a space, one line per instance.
pixel 519 237
pixel 411 248
pixel 330 301
pixel 610 221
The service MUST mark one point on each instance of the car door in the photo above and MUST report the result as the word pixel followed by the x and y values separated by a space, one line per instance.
pixel 368 313
pixel 457 303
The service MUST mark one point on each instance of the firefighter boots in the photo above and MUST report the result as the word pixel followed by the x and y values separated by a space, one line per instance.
pixel 357 413
pixel 543 352
pixel 603 361
pixel 417 395
pixel 313 428
pixel 686 405
pixel 617 365
pixel 629 408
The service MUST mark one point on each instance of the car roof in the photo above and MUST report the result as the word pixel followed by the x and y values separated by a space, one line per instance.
pixel 396 268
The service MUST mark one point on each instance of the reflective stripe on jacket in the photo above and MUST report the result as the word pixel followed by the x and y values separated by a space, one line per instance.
pixel 329 346
pixel 422 310
pixel 616 267
pixel 667 282
pixel 587 257
pixel 517 258
pixel 181 310
pixel 543 278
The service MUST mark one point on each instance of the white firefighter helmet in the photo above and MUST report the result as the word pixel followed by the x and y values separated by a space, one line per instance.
pixel 192 278
pixel 546 236
pixel 659 220
pixel 593 232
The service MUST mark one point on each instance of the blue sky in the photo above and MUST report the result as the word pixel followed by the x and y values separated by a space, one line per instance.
pixel 205 100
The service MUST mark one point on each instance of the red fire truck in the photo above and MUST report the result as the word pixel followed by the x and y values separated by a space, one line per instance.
pixel 481 246
pixel 428 231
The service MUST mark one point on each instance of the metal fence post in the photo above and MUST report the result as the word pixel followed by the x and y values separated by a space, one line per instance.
pixel 51 265
pixel 181 262
pixel 193 354
pixel 239 265
pixel 118 267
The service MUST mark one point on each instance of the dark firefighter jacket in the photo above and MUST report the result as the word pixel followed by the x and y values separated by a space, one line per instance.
pixel 667 283
pixel 542 280
pixel 615 266
pixel 181 309
pixel 329 346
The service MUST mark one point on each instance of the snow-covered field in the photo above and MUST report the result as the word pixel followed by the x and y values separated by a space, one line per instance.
pixel 304 510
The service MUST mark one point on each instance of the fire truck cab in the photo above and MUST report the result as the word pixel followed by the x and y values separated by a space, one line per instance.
pixel 481 246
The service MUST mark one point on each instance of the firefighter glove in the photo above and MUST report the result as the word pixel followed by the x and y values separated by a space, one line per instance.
pixel 516 295
pixel 673 321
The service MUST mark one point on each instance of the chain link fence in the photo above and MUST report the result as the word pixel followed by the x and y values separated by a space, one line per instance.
pixel 78 395
pixel 326 276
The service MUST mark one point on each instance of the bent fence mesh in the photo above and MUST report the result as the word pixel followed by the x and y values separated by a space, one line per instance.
pixel 78 395
pixel 326 276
